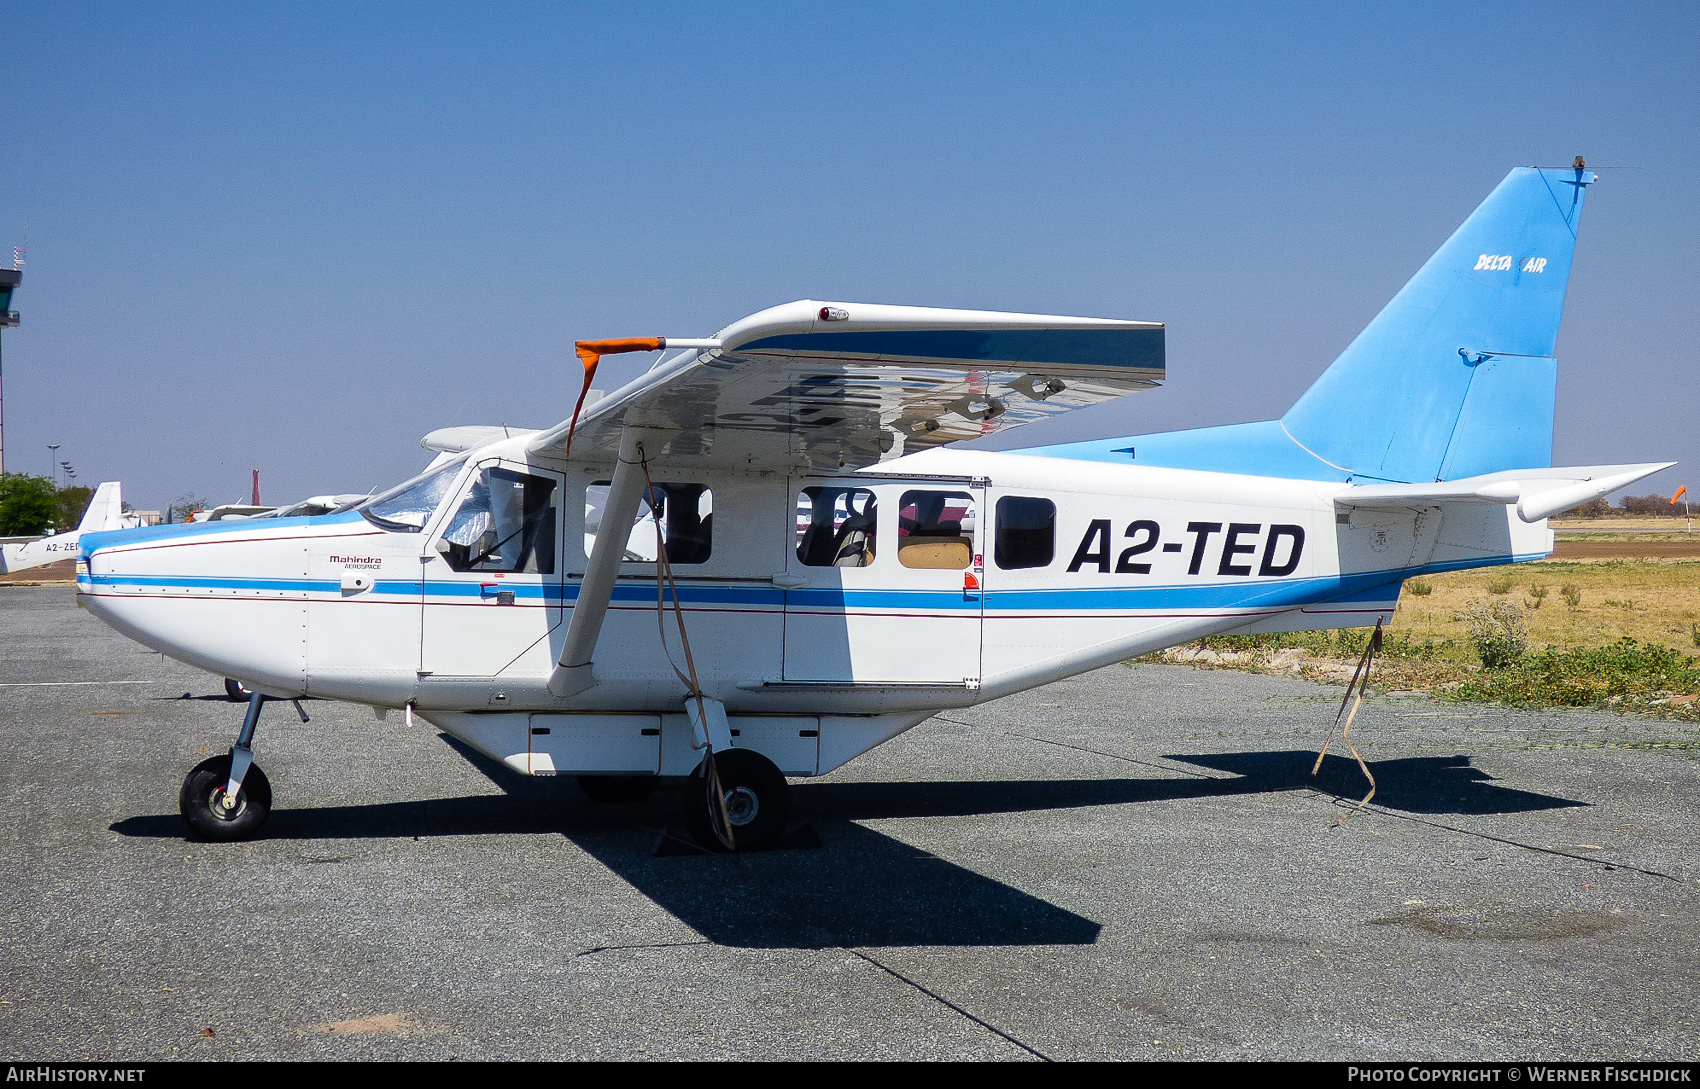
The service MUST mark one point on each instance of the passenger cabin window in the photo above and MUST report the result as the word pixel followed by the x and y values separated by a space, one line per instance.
pixel 836 527
pixel 685 513
pixel 1026 532
pixel 505 523
pixel 935 530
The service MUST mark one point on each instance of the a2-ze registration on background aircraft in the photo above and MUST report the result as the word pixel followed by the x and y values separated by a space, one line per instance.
pixel 842 573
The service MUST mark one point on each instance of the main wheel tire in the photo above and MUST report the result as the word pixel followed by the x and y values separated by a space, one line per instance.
pixel 618 788
pixel 202 797
pixel 758 800
pixel 236 690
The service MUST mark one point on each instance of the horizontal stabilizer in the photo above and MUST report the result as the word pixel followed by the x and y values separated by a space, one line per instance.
pixel 1537 493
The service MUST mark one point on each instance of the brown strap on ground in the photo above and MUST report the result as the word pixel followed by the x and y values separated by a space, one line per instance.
pixel 664 575
pixel 1360 679
pixel 591 352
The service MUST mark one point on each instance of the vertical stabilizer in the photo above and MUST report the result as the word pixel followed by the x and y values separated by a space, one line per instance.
pixel 1456 377
pixel 106 509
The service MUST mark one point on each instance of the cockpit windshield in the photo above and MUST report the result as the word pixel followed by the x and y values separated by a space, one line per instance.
pixel 408 506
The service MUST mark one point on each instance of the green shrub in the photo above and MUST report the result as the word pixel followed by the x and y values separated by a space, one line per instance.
pixel 1502 584
pixel 1499 631
pixel 1420 587
pixel 1571 593
pixel 1584 676
pixel 1537 594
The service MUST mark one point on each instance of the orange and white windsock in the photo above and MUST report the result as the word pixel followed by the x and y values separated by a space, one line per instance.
pixel 1680 492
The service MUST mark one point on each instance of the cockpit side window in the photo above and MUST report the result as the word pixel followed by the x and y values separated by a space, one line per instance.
pixel 406 507
pixel 506 522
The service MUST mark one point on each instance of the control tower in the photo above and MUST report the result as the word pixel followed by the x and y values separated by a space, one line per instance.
pixel 10 278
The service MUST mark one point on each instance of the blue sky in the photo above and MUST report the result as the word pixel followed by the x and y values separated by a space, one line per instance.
pixel 297 237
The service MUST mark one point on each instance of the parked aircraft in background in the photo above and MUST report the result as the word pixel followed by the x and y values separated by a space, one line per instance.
pixel 820 570
pixel 105 511
pixel 306 508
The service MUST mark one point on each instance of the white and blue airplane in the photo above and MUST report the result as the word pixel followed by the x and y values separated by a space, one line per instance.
pixel 840 571
pixel 105 512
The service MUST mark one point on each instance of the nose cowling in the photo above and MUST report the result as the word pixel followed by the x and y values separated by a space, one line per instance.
pixel 230 600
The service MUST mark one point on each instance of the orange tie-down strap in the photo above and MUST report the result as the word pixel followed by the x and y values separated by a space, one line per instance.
pixel 592 351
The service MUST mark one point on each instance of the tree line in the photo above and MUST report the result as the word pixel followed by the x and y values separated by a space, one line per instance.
pixel 1628 505
pixel 33 505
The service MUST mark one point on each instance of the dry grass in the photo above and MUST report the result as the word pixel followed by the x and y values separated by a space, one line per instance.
pixel 1645 600
pixel 1636 524
pixel 1576 653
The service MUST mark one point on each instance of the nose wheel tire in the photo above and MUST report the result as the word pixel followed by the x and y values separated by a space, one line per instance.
pixel 618 788
pixel 202 802
pixel 758 801
pixel 236 691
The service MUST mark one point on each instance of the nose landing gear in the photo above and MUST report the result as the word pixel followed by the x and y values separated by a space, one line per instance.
pixel 227 798
pixel 205 794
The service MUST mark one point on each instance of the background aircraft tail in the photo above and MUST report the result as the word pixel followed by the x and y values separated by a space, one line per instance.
pixel 105 510
pixel 1454 378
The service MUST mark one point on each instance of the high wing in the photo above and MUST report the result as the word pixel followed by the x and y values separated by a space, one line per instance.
pixel 843 385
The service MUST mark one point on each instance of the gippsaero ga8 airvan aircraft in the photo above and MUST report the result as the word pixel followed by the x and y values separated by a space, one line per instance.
pixel 764 557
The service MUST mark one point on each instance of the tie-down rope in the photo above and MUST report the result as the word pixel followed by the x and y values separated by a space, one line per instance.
pixel 664 576
pixel 1360 679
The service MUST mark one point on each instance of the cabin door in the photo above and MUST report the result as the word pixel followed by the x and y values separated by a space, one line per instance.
pixel 492 574
pixel 884 582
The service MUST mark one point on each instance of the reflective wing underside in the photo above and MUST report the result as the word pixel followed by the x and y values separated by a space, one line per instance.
pixel 837 401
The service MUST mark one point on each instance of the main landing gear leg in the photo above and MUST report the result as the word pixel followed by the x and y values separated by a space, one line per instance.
pixel 757 801
pixel 228 797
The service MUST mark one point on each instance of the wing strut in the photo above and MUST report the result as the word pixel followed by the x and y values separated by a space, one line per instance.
pixel 572 674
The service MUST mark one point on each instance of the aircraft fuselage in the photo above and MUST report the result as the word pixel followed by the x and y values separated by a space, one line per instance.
pixel 974 575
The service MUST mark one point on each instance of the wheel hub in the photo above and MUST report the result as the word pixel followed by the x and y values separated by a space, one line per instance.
pixel 742 805
pixel 218 803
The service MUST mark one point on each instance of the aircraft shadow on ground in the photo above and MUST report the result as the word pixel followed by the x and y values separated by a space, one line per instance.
pixel 1425 784
pixel 1414 784
pixel 865 888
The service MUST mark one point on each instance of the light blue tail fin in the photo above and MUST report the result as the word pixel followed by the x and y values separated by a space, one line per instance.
pixel 1455 377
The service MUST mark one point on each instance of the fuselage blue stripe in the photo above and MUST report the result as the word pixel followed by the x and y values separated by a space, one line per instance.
pixel 1368 587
